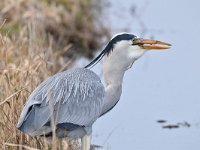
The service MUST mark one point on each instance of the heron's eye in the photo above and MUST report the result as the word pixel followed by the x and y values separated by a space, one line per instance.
pixel 134 41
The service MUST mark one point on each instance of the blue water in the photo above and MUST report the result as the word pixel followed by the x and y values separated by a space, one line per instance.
pixel 162 84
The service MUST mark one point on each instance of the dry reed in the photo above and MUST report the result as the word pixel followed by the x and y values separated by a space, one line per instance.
pixel 37 39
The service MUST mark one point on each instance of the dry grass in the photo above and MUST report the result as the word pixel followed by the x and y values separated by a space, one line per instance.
pixel 66 21
pixel 37 40
pixel 24 64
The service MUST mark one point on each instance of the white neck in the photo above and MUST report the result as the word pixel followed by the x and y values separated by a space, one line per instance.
pixel 113 88
pixel 114 66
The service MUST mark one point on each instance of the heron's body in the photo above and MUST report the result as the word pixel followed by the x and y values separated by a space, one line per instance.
pixel 74 99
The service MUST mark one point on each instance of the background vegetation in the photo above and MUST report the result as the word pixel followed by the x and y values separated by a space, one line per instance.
pixel 39 38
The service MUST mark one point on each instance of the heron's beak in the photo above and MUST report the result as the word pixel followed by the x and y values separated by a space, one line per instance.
pixel 148 44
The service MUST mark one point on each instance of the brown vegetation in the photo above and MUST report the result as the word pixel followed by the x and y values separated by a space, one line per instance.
pixel 38 39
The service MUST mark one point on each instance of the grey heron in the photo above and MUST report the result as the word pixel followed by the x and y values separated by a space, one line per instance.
pixel 76 98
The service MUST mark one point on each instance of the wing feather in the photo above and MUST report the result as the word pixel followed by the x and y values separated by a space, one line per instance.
pixel 74 96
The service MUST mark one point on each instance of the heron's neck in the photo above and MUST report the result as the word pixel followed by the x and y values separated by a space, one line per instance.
pixel 120 59
pixel 113 86
pixel 114 66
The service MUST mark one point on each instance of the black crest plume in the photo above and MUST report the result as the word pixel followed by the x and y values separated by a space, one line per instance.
pixel 110 46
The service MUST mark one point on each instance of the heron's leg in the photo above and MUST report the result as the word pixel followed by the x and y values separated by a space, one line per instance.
pixel 86 142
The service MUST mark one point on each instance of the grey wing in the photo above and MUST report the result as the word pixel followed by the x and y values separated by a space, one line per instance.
pixel 74 96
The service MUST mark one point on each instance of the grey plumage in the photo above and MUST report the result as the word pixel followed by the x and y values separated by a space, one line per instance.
pixel 74 98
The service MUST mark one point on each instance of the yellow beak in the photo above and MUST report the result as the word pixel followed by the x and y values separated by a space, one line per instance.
pixel 148 44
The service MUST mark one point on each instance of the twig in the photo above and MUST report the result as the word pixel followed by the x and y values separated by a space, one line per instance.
pixel 2 24
pixel 11 96
pixel 22 146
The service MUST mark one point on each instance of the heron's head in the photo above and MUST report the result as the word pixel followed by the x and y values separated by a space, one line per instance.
pixel 125 48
